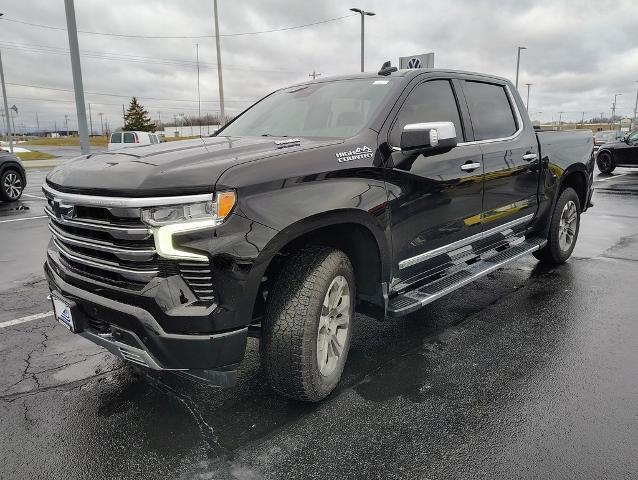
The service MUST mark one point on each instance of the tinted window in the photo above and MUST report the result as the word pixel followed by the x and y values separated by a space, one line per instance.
pixel 490 109
pixel 633 137
pixel 129 137
pixel 336 109
pixel 429 102
pixel 116 138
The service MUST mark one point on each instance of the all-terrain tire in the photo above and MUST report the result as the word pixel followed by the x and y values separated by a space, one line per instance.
pixel 290 329
pixel 558 250
pixel 605 162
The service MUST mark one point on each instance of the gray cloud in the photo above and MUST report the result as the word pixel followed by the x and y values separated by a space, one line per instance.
pixel 579 52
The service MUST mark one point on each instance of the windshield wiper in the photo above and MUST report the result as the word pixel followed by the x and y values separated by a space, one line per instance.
pixel 271 135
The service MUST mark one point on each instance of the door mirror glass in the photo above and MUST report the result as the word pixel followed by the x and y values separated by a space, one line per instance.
pixel 428 137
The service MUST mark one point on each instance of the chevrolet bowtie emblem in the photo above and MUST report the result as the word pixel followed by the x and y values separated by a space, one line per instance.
pixel 62 211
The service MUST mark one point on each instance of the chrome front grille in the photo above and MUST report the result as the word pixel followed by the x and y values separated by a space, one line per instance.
pixel 113 246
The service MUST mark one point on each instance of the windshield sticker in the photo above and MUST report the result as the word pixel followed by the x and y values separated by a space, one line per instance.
pixel 357 154
pixel 380 82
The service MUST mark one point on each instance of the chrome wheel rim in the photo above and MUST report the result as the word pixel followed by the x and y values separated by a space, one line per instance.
pixel 334 323
pixel 605 161
pixel 567 226
pixel 12 185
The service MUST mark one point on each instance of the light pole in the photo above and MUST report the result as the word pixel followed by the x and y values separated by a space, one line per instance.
pixel 518 62
pixel 636 110
pixel 76 70
pixel 219 66
pixel 6 106
pixel 527 104
pixel 560 118
pixel 101 123
pixel 363 14
pixel 613 110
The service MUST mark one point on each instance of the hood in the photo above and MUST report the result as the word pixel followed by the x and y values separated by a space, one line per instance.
pixel 172 168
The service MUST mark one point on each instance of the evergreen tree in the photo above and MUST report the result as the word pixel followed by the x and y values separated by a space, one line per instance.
pixel 136 118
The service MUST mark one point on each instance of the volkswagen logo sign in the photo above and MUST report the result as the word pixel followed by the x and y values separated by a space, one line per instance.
pixel 414 63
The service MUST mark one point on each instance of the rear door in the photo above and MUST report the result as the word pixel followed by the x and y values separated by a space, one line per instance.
pixel 510 155
pixel 434 199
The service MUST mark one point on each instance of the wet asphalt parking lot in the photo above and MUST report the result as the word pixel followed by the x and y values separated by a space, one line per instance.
pixel 531 372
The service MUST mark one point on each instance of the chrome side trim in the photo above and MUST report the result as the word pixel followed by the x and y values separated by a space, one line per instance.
pixel 519 124
pixel 124 202
pixel 408 262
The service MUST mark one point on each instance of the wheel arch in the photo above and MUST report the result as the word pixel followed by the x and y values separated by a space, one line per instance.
pixel 357 233
pixel 575 177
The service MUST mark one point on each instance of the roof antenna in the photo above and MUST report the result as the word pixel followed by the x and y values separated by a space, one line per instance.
pixel 387 69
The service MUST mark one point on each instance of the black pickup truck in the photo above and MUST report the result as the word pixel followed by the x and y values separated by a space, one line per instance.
pixel 373 193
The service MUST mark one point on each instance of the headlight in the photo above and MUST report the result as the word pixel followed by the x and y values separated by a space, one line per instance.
pixel 167 221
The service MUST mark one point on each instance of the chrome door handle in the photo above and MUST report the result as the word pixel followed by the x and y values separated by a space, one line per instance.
pixel 468 167
pixel 528 157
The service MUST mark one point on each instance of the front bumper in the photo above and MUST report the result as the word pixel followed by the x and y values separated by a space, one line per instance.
pixel 132 333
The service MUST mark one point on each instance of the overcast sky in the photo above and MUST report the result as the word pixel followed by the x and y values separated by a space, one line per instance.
pixel 580 52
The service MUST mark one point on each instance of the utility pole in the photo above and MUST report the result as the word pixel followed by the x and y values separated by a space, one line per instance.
pixel 66 124
pixel 101 123
pixel 6 105
pixel 582 120
pixel 560 117
pixel 527 104
pixel 199 99
pixel 76 68
pixel 314 74
pixel 159 119
pixel 37 122
pixel 363 14
pixel 613 110
pixel 601 117
pixel 123 117
pixel 636 110
pixel 90 121
pixel 219 67
pixel 518 63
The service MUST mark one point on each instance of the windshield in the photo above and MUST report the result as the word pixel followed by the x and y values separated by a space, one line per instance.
pixel 338 109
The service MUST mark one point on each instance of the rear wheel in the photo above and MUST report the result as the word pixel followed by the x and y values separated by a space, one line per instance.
pixel 605 162
pixel 308 323
pixel 563 230
pixel 11 185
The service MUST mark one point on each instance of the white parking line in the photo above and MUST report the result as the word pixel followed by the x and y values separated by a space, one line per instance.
pixel 609 178
pixel 28 318
pixel 32 196
pixel 22 219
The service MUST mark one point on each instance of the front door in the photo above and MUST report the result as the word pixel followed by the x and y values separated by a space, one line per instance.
pixel 435 199
pixel 628 155
pixel 510 156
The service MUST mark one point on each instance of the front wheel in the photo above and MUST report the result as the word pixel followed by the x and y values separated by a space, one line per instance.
pixel 11 185
pixel 308 323
pixel 563 230
pixel 605 162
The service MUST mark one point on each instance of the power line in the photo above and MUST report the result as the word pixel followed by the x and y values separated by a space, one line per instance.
pixel 114 56
pixel 125 96
pixel 122 35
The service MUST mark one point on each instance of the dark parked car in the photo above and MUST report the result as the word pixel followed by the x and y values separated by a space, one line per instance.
pixel 619 153
pixel 604 136
pixel 13 178
pixel 375 193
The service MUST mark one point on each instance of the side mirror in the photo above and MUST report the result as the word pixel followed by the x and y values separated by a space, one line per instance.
pixel 428 137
